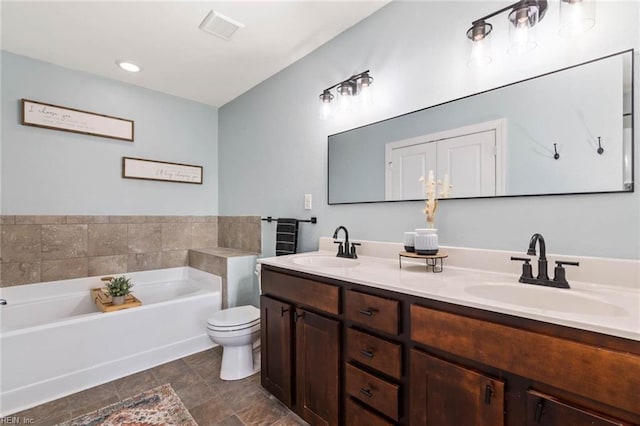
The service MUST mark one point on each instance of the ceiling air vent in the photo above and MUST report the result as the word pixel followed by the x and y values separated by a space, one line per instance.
pixel 220 25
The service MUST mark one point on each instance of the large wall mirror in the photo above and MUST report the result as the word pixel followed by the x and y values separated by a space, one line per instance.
pixel 565 132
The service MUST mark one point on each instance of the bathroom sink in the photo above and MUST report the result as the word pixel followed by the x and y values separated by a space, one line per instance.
pixel 552 299
pixel 325 261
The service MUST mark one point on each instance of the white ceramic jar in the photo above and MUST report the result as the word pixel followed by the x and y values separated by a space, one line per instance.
pixel 426 241
pixel 409 241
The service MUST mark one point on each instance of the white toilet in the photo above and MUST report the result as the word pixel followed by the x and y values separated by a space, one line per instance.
pixel 236 330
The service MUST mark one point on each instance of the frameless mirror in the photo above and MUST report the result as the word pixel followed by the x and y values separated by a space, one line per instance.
pixel 565 132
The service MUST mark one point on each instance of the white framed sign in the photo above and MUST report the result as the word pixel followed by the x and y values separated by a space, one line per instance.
pixel 57 117
pixel 139 168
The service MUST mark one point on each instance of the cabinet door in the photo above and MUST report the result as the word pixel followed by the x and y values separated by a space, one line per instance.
pixel 445 394
pixel 276 346
pixel 317 368
pixel 547 411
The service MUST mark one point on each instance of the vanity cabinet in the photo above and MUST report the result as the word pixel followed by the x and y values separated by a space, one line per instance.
pixel 546 410
pixel 340 353
pixel 300 356
pixel 276 348
pixel 446 394
pixel 317 368
pixel 588 374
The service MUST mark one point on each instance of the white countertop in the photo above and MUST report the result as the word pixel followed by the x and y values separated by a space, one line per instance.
pixel 601 308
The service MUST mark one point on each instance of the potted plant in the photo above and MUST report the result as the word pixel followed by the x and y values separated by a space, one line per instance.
pixel 118 288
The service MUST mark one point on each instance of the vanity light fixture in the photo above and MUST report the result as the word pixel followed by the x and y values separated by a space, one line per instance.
pixel 128 66
pixel 357 84
pixel 523 15
pixel 576 17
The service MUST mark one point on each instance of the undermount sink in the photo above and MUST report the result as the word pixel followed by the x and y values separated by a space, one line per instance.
pixel 559 300
pixel 325 261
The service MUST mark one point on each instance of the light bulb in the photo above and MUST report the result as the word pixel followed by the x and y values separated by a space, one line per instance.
pixel 325 104
pixel 576 17
pixel 522 37
pixel 479 44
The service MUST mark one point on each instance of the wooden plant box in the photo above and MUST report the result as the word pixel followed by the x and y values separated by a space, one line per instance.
pixel 105 304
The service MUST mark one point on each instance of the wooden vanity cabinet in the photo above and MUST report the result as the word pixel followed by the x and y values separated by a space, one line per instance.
pixel 599 377
pixel 546 410
pixel 446 394
pixel 300 355
pixel 339 353
pixel 276 348
pixel 317 368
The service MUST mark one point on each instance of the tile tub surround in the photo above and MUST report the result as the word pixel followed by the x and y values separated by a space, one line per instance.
pixel 210 400
pixel 49 248
pixel 240 232
pixel 215 260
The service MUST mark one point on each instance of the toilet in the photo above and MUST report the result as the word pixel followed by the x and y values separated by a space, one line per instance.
pixel 237 330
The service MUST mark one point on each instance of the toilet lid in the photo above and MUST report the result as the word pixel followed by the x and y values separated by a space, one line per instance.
pixel 234 317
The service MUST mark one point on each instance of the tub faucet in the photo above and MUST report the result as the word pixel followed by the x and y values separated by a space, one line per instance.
pixel 345 250
pixel 559 280
pixel 3 302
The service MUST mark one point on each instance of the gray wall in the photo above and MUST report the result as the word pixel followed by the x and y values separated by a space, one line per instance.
pixel 273 146
pixel 56 173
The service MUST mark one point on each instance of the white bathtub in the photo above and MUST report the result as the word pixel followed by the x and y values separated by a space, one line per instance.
pixel 54 341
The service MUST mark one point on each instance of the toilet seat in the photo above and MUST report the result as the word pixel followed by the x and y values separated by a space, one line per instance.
pixel 235 319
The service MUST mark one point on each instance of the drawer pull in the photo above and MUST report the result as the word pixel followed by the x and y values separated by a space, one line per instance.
pixel 367 353
pixel 366 312
pixel 538 415
pixel 366 392
pixel 488 391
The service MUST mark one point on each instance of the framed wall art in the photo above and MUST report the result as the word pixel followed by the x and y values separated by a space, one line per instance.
pixel 48 116
pixel 139 168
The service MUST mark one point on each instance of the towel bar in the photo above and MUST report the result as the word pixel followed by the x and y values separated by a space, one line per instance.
pixel 271 219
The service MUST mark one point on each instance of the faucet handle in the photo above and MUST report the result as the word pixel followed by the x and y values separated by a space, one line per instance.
pixel 340 248
pixel 353 253
pixel 566 262
pixel 559 273
pixel 527 271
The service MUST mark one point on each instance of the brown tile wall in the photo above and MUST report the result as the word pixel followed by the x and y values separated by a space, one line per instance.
pixel 240 232
pixel 48 248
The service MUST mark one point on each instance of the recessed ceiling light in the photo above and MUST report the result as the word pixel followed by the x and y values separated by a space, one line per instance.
pixel 128 66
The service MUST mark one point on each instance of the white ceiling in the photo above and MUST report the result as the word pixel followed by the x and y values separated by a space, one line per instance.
pixel 163 37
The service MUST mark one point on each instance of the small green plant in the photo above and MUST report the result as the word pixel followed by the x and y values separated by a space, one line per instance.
pixel 119 286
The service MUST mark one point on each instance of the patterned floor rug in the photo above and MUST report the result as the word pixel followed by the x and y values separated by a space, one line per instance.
pixel 158 406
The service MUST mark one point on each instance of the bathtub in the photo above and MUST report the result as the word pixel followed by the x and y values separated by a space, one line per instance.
pixel 54 341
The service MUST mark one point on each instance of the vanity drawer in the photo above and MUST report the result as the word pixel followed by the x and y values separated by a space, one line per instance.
pixel 373 311
pixel 324 297
pixel 376 353
pixel 375 392
pixel 357 415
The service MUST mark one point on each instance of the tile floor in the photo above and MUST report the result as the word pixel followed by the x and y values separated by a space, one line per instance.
pixel 210 400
